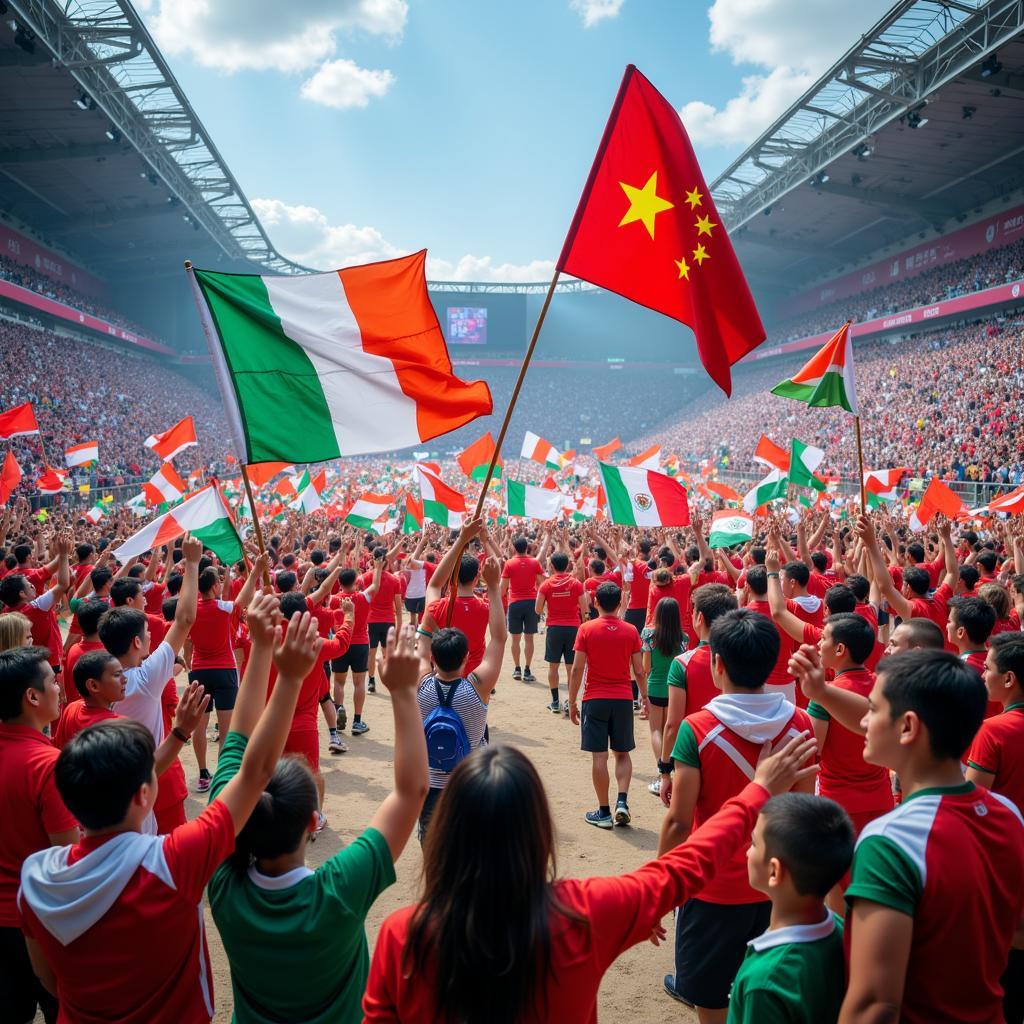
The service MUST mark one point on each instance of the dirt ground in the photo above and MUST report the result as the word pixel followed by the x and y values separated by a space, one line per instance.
pixel 359 780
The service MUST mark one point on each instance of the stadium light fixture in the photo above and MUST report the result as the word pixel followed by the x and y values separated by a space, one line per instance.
pixel 113 134
pixel 968 112
pixel 991 66
pixel 24 39
pixel 84 101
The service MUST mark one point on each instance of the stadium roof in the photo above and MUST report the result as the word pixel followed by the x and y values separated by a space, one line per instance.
pixel 101 152
pixel 918 125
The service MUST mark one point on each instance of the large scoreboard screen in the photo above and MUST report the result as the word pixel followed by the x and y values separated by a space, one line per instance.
pixel 467 325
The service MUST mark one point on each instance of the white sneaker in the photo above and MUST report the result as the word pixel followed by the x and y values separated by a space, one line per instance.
pixel 654 788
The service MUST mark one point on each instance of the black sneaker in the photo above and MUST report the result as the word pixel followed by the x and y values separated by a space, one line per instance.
pixel 670 989
pixel 371 685
pixel 342 717
pixel 555 708
pixel 517 673
pixel 598 819
pixel 622 813
pixel 528 676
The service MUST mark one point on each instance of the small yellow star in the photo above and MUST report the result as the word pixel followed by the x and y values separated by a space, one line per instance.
pixel 644 203
pixel 694 198
pixel 700 254
pixel 704 226
pixel 684 268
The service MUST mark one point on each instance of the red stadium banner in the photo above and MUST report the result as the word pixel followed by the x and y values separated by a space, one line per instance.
pixel 18 247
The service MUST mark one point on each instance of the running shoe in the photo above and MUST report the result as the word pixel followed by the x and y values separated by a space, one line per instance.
pixel 517 673
pixel 358 728
pixel 598 819
pixel 555 708
pixel 622 813
pixel 654 788
pixel 565 708
pixel 342 716
pixel 670 989
pixel 336 746
pixel 528 676
pixel 321 824
pixel 371 685
pixel 203 785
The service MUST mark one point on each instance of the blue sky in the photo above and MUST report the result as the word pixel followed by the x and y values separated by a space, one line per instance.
pixel 362 129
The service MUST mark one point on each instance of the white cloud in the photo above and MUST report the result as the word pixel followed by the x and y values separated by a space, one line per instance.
pixel 343 84
pixel 236 35
pixel 594 11
pixel 304 234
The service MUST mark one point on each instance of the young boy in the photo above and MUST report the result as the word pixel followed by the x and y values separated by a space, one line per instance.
pixel 970 624
pixel 800 848
pixel 715 756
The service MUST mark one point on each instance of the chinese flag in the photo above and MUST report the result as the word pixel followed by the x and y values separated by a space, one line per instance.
pixel 10 477
pixel 646 227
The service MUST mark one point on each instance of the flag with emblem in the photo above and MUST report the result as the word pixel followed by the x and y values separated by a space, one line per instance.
pixel 642 497
pixel 729 528
pixel 647 228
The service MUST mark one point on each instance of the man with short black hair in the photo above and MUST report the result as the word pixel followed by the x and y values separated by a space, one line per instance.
pixel 520 577
pixel 561 594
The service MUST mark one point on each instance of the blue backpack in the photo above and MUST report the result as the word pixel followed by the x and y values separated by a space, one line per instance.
pixel 447 739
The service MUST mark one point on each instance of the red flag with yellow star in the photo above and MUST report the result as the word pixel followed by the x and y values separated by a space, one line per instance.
pixel 646 227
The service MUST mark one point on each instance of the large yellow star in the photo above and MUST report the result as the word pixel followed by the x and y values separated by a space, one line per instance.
pixel 684 267
pixel 704 226
pixel 644 203
pixel 700 254
pixel 694 198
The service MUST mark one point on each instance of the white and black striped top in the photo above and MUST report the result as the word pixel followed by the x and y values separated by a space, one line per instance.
pixel 466 704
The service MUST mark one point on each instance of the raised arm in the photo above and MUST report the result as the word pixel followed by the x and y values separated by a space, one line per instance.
pixel 262 617
pixel 185 613
pixel 487 671
pixel 898 604
pixel 259 567
pixel 449 559
pixel 781 615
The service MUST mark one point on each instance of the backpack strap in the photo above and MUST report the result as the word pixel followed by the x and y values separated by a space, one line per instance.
pixel 442 700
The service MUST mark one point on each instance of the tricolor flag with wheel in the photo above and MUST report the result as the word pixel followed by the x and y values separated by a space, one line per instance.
pixel 642 497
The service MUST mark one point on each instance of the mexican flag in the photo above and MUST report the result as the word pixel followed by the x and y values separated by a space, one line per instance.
pixel 82 454
pixel 179 437
pixel 884 482
pixel 96 513
pixel 368 508
pixel 538 450
pixel 164 485
pixel 773 486
pixel 729 528
pixel 413 520
pixel 530 502
pixel 18 422
pixel 315 366
pixel 804 459
pixel 642 497
pixel 441 503
pixel 827 380
pixel 204 514
pixel 768 453
pixel 475 459
pixel 307 494
pixel 649 459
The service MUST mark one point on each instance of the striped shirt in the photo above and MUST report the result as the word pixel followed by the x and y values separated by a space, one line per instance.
pixel 466 704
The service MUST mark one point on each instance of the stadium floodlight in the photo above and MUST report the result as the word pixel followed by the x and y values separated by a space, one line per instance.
pixel 84 101
pixel 820 178
pixel 990 66
pixel 113 134
pixel 23 38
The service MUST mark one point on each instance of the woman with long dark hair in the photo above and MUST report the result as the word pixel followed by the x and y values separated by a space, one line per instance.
pixel 497 937
pixel 661 643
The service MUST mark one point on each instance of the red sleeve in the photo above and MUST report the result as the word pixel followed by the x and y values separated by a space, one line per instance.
pixel 812 634
pixel 637 646
pixel 342 637
pixel 380 1000
pixel 984 752
pixel 55 817
pixel 505 571
pixel 623 910
pixel 580 643
pixel 196 849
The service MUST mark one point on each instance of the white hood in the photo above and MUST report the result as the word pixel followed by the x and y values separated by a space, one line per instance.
pixel 757 717
pixel 808 602
pixel 69 899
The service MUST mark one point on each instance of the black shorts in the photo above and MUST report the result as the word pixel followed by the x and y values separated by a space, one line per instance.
pixel 220 683
pixel 355 659
pixel 711 941
pixel 20 990
pixel 378 633
pixel 657 702
pixel 636 617
pixel 415 605
pixel 522 617
pixel 605 722
pixel 558 644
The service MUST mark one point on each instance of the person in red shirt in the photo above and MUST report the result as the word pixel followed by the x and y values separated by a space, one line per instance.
pixel 33 813
pixel 356 658
pixel 968 629
pixel 144 890
pixel 779 679
pixel 429 958
pixel 520 577
pixel 638 576
pixel 89 615
pixel 562 595
pixel 804 605
pixel 608 653
pixel 385 612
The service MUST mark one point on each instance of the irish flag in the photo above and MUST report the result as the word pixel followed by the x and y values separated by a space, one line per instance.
pixel 729 528
pixel 18 421
pixel 179 437
pixel 773 486
pixel 530 502
pixel 164 485
pixel 642 497
pixel 204 514
pixel 474 460
pixel 649 459
pixel 441 503
pixel 315 366
pixel 827 380
pixel 368 508
pixel 538 450
pixel 82 454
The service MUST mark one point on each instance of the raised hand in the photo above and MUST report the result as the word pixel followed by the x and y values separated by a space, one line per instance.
pixel 191 549
pixel 778 771
pixel 194 703
pixel 263 617
pixel 401 668
pixel 296 654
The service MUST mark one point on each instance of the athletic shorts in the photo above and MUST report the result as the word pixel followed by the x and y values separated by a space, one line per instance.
pixel 20 990
pixel 657 702
pixel 220 683
pixel 355 659
pixel 636 617
pixel 604 722
pixel 304 744
pixel 711 941
pixel 378 632
pixel 522 617
pixel 415 605
pixel 558 644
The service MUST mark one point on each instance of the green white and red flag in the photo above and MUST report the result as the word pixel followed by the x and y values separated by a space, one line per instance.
pixel 531 502
pixel 773 486
pixel 441 503
pixel 164 485
pixel 413 519
pixel 368 508
pixel 884 482
pixel 174 440
pixel 828 379
pixel 642 497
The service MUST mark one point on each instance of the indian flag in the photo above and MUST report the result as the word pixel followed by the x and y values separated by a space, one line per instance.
pixel 827 380
pixel 82 454
pixel 649 459
pixel 315 366
pixel 441 503
pixel 368 508
pixel 642 497
pixel 204 514
pixel 530 502
pixel 164 485
pixel 537 449
pixel 773 486
pixel 729 528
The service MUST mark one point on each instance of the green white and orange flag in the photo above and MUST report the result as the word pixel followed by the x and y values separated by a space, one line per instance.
pixel 413 521
pixel 474 460
pixel 368 508
pixel 828 379
pixel 315 366
pixel 537 449
pixel 204 514
pixel 441 503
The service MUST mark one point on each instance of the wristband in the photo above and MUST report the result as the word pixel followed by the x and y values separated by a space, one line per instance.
pixel 423 632
pixel 666 767
pixel 773 575
pixel 179 735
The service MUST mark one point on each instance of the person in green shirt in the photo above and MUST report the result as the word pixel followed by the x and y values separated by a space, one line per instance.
pixel 295 938
pixel 661 643
pixel 802 845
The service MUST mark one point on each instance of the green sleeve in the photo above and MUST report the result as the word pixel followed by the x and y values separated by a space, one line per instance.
pixel 75 603
pixel 815 710
pixel 685 750
pixel 358 874
pixel 884 874
pixel 677 674
pixel 751 1005
pixel 228 763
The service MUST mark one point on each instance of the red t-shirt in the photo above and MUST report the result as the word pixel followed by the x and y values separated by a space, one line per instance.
pixel 30 807
pixel 471 615
pixel 382 608
pixel 700 685
pixel 360 614
pixel 935 608
pixel 304 719
pixel 75 651
pixel 522 571
pixel 75 717
pixel 562 594
pixel 173 788
pixel 45 630
pixel 780 672
pixel 640 586
pixel 211 635
pixel 155 598
pixel 609 644
pixel 998 748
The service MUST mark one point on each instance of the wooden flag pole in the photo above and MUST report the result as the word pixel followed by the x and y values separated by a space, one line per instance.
pixel 860 467
pixel 256 528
